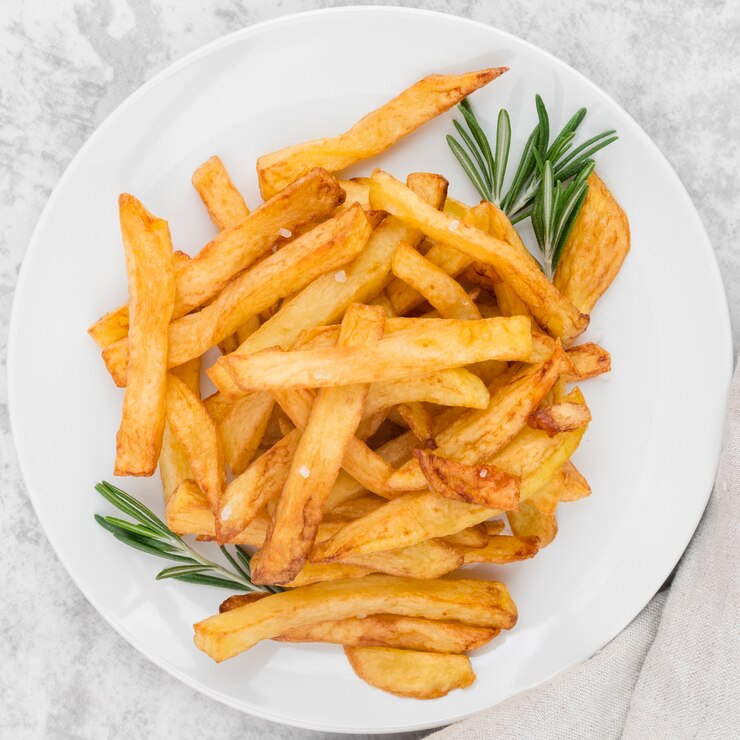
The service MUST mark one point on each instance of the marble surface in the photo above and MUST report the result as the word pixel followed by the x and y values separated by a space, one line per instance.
pixel 66 64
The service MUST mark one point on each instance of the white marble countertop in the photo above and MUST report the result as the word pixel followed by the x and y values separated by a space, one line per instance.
pixel 65 65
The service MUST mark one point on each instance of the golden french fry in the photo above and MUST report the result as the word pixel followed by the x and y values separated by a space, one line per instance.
pixel 437 287
pixel 502 549
pixel 357 190
pixel 236 248
pixel 480 603
pixel 559 417
pixel 224 202
pixel 196 431
pixel 259 484
pixel 384 302
pixel 318 573
pixel 331 424
pixel 243 428
pixel 418 419
pixel 328 246
pixel 354 508
pixel 425 349
pixel 148 249
pixel 415 517
pixel 569 484
pixel 515 266
pixel 326 298
pixel 529 521
pixel 374 133
pixel 596 248
pixel 589 360
pixel 478 484
pixel 174 467
pixel 411 673
pixel 475 536
pixel 476 435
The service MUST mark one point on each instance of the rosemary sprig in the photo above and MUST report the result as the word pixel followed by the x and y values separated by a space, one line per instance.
pixel 150 534
pixel 487 170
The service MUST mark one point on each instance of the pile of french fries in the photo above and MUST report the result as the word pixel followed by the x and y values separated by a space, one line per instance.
pixel 393 394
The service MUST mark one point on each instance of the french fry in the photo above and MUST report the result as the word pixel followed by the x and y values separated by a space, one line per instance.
pixel 326 298
pixel 174 467
pixel 559 417
pixel 325 248
pixel 480 603
pixel 311 573
pixel 357 190
pixel 437 287
pixel 502 549
pixel 478 484
pixel 530 521
pixel 589 361
pixel 148 249
pixel 412 351
pixel 224 202
pixel 374 133
pixel 410 673
pixel 242 429
pixel 516 267
pixel 384 302
pixel 334 417
pixel 475 536
pixel 596 248
pixel 415 517
pixel 236 248
pixel 355 508
pixel 196 432
pixel 259 484
pixel 569 484
pixel 419 421
pixel 476 435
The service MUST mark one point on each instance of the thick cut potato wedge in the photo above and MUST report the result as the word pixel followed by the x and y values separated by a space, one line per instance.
pixel 480 603
pixel 422 350
pixel 151 280
pixel 559 417
pixel 259 484
pixel 174 467
pixel 530 521
pixel 236 248
pixel 326 298
pixel 410 673
pixel 320 573
pixel 502 549
pixel 334 417
pixel 477 484
pixel 197 434
pixel 438 288
pixel 569 484
pixel 476 435
pixel 243 428
pixel 374 133
pixel 325 248
pixel 589 361
pixel 596 248
pixel 415 517
pixel 224 202
pixel 515 266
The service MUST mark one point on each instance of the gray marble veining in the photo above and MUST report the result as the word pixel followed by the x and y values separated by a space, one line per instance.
pixel 64 65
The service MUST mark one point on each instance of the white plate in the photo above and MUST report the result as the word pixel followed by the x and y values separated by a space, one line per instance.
pixel 650 453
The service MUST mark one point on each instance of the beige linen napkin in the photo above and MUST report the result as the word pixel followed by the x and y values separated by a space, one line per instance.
pixel 674 673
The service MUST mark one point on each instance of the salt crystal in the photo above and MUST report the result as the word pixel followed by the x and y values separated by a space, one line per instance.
pixel 274 248
pixel 225 513
pixel 287 233
pixel 452 226
pixel 304 472
pixel 341 276
pixel 320 375
pixel 483 473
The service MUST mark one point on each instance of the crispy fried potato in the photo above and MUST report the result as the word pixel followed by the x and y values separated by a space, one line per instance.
pixel 475 536
pixel 196 431
pixel 242 429
pixel 384 302
pixel 589 361
pixel 318 573
pixel 325 248
pixel 326 298
pixel 529 521
pixel 151 279
pixel 478 484
pixel 479 434
pixel 259 484
pixel 374 133
pixel 559 417
pixel 415 517
pixel 419 421
pixel 437 287
pixel 596 248
pixel 569 484
pixel 334 417
pixel 480 603
pixel 236 248
pixel 224 202
pixel 174 467
pixel 515 266
pixel 502 549
pixel 355 508
pixel 410 673
pixel 357 190
pixel 424 349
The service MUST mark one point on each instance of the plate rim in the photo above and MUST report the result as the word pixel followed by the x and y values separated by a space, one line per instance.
pixel 190 58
